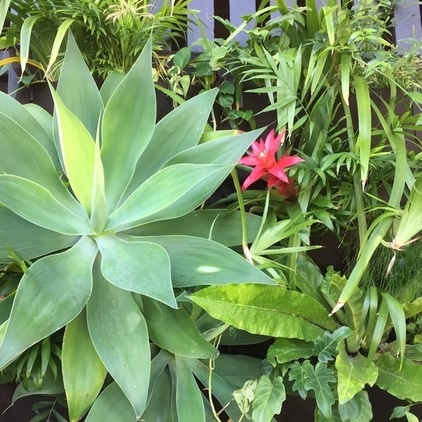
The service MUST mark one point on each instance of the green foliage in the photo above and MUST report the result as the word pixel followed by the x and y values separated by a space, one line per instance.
pixel 110 34
pixel 115 292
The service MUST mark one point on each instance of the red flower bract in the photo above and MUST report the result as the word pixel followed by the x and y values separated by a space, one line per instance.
pixel 263 159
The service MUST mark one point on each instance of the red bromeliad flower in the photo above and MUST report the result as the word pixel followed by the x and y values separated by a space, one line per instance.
pixel 263 159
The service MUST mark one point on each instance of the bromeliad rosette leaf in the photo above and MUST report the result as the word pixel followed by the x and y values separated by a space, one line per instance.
pixel 75 188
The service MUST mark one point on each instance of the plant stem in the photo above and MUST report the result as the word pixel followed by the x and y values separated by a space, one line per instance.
pixel 245 247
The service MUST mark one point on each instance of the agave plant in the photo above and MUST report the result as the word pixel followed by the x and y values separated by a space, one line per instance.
pixel 100 201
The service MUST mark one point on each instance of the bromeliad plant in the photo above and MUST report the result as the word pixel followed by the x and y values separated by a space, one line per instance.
pixel 96 205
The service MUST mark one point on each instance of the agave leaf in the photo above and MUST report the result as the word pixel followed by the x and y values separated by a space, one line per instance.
pixel 28 240
pixel 78 152
pixel 171 192
pixel 267 310
pixel 127 127
pixel 201 262
pixel 110 84
pixel 111 406
pixel 189 402
pixel 120 337
pixel 160 407
pixel 180 129
pixel 78 90
pixel 173 330
pixel 222 226
pixel 52 292
pixel 222 390
pixel 23 156
pixel 225 150
pixel 24 118
pixel 137 266
pixel 45 210
pixel 83 371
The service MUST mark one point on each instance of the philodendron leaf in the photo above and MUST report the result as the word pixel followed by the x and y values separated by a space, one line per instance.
pixel 78 152
pixel 353 373
pixel 28 240
pixel 267 310
pixel 37 205
pixel 189 401
pixel 112 405
pixel 269 397
pixel 171 192
pixel 52 292
pixel 285 350
pixel 127 127
pixel 120 337
pixel 83 371
pixel 201 262
pixel 173 330
pixel 137 266
pixel 326 346
pixel 358 409
pixel 318 378
pixel 400 380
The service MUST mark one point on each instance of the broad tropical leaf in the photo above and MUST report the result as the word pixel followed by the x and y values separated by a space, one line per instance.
pixel 266 310
pixel 269 397
pixel 353 373
pixel 400 380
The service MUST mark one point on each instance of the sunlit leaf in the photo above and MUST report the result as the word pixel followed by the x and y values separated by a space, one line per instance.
pixel 83 371
pixel 354 372
pixel 267 310
pixel 201 262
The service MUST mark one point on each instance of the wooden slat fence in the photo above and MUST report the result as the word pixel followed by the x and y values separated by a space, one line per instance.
pixel 407 17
